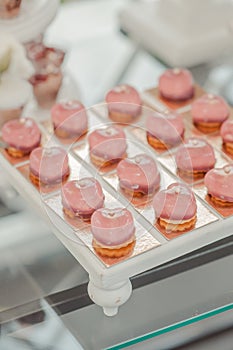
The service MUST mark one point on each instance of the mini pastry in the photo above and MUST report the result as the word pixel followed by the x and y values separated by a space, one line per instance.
pixel 69 119
pixel 219 183
pixel 107 146
pixel 113 232
pixel 164 130
pixel 209 112
pixel 226 133
pixel 175 208
pixel 46 84
pixel 80 198
pixel 21 136
pixel 176 85
pixel 139 175
pixel 124 104
pixel 9 8
pixel 48 166
pixel 195 157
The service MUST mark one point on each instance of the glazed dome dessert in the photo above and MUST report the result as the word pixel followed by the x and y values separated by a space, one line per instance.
pixel 176 85
pixel 175 208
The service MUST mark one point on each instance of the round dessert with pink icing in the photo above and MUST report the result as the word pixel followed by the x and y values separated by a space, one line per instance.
pixel 113 232
pixel 124 103
pixel 69 119
pixel 209 112
pixel 226 133
pixel 49 166
pixel 219 183
pixel 139 175
pixel 80 198
pixel 176 85
pixel 175 208
pixel 195 157
pixel 164 130
pixel 107 146
pixel 21 136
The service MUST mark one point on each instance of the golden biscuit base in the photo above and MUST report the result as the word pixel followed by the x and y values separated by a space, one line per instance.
pixel 220 202
pixel 36 181
pixel 189 174
pixel 158 144
pixel 72 215
pixel 115 252
pixel 208 127
pixel 177 227
pixel 16 153
pixel 101 162
pixel 63 134
pixel 228 146
pixel 121 118
pixel 136 194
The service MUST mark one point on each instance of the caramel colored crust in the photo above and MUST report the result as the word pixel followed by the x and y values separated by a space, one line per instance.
pixel 15 153
pixel 113 253
pixel 208 127
pixel 71 215
pixel 177 227
pixel 157 144
pixel 121 118
pixel 101 162
pixel 220 202
pixel 36 181
pixel 228 146
pixel 63 134
pixel 196 173
pixel 136 194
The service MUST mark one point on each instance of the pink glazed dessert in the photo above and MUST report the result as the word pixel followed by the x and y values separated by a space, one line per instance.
pixel 195 157
pixel 107 146
pixel 175 207
pixel 176 85
pixel 164 130
pixel 113 232
pixel 139 175
pixel 21 136
pixel 80 198
pixel 209 112
pixel 69 119
pixel 124 103
pixel 219 183
pixel 49 166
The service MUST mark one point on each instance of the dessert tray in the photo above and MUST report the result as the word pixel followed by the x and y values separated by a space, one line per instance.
pixel 109 284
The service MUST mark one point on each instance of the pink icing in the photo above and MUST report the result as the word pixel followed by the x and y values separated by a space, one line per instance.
pixel 124 99
pixel 219 182
pixel 49 164
pixel 83 196
pixel 195 155
pixel 108 143
pixel 70 116
pixel 22 134
pixel 210 108
pixel 167 127
pixel 139 174
pixel 226 131
pixel 112 227
pixel 177 202
pixel 176 84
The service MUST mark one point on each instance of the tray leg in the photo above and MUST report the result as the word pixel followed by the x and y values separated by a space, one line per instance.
pixel 110 298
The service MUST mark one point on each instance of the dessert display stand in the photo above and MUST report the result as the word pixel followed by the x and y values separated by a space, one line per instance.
pixel 109 286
